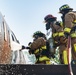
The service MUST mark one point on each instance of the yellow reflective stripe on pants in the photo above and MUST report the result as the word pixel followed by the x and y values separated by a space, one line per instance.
pixel 48 62
pixel 43 58
pixel 65 59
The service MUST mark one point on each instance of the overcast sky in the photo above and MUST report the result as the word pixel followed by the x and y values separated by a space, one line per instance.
pixel 24 17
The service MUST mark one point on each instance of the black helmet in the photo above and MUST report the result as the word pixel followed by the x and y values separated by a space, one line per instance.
pixel 49 17
pixel 65 7
pixel 38 33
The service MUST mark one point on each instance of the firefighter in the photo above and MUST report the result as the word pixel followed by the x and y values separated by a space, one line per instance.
pixel 69 22
pixel 39 47
pixel 57 35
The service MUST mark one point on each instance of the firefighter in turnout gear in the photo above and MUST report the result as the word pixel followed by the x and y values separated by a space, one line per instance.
pixel 39 47
pixel 57 36
pixel 69 22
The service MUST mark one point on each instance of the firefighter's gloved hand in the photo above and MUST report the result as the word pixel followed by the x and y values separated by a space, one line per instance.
pixel 67 34
pixel 63 39
pixel 23 47
pixel 28 48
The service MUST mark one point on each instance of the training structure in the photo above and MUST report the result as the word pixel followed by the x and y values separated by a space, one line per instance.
pixel 6 38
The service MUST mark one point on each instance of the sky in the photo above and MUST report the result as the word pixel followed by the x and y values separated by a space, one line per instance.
pixel 25 17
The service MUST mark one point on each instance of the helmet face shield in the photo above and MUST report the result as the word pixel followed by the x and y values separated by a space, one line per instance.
pixel 47 26
pixel 35 37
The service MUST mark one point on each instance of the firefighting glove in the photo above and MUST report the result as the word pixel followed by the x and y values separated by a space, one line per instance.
pixel 58 23
pixel 28 48
pixel 67 34
pixel 48 26
pixel 63 39
pixel 73 29
pixel 23 47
